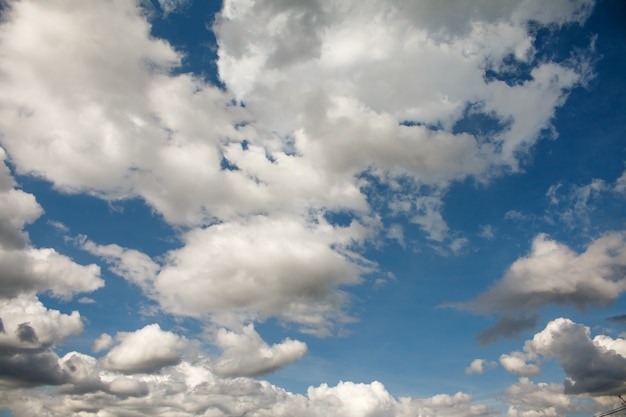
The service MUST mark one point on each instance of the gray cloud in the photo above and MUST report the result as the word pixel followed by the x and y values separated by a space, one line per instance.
pixel 553 274
pixel 507 326
pixel 27 334
pixel 595 366
pixel 30 367
pixel 621 319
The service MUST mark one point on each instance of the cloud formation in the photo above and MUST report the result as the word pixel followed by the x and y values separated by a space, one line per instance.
pixel 595 366
pixel 321 102
pixel 145 350
pixel 246 354
pixel 552 273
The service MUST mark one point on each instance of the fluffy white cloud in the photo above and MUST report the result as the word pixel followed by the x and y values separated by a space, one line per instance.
pixel 516 363
pixel 189 390
pixel 103 342
pixel 478 366
pixel 27 269
pixel 146 350
pixel 246 354
pixel 27 323
pixel 265 265
pixel 552 273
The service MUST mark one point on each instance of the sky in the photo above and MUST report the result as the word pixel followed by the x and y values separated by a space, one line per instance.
pixel 312 208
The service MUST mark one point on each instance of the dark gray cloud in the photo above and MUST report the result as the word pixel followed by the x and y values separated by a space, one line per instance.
pixel 507 327
pixel 30 367
pixel 621 319
pixel 25 333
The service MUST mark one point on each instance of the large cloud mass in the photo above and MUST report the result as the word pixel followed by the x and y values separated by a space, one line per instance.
pixel 320 102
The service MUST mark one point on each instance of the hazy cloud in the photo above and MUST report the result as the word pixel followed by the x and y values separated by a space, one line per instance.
pixel 507 326
pixel 478 366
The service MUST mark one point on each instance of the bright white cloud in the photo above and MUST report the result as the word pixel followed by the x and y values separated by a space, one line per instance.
pixel 246 354
pixel 263 265
pixel 146 350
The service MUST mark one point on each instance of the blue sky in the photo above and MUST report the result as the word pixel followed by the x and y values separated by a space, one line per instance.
pixel 277 208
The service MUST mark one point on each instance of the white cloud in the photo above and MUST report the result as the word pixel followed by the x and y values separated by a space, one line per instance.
pixel 162 137
pixel 27 323
pixel 103 342
pixel 170 6
pixel 552 273
pixel 325 99
pixel 477 367
pixel 263 265
pixel 28 269
pixel 45 270
pixel 146 350
pixel 246 354
pixel 191 389
pixel 130 264
pixel 527 399
pixel 516 363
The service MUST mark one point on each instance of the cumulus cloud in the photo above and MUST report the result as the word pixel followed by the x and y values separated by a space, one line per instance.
pixel 190 389
pixel 526 398
pixel 594 366
pixel 265 264
pixel 26 268
pixel 319 101
pixel 478 366
pixel 246 354
pixel 29 331
pixel 516 363
pixel 146 350
pixel 27 323
pixel 103 342
pixel 552 273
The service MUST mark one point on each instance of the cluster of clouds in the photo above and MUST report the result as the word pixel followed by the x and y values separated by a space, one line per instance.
pixel 320 100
